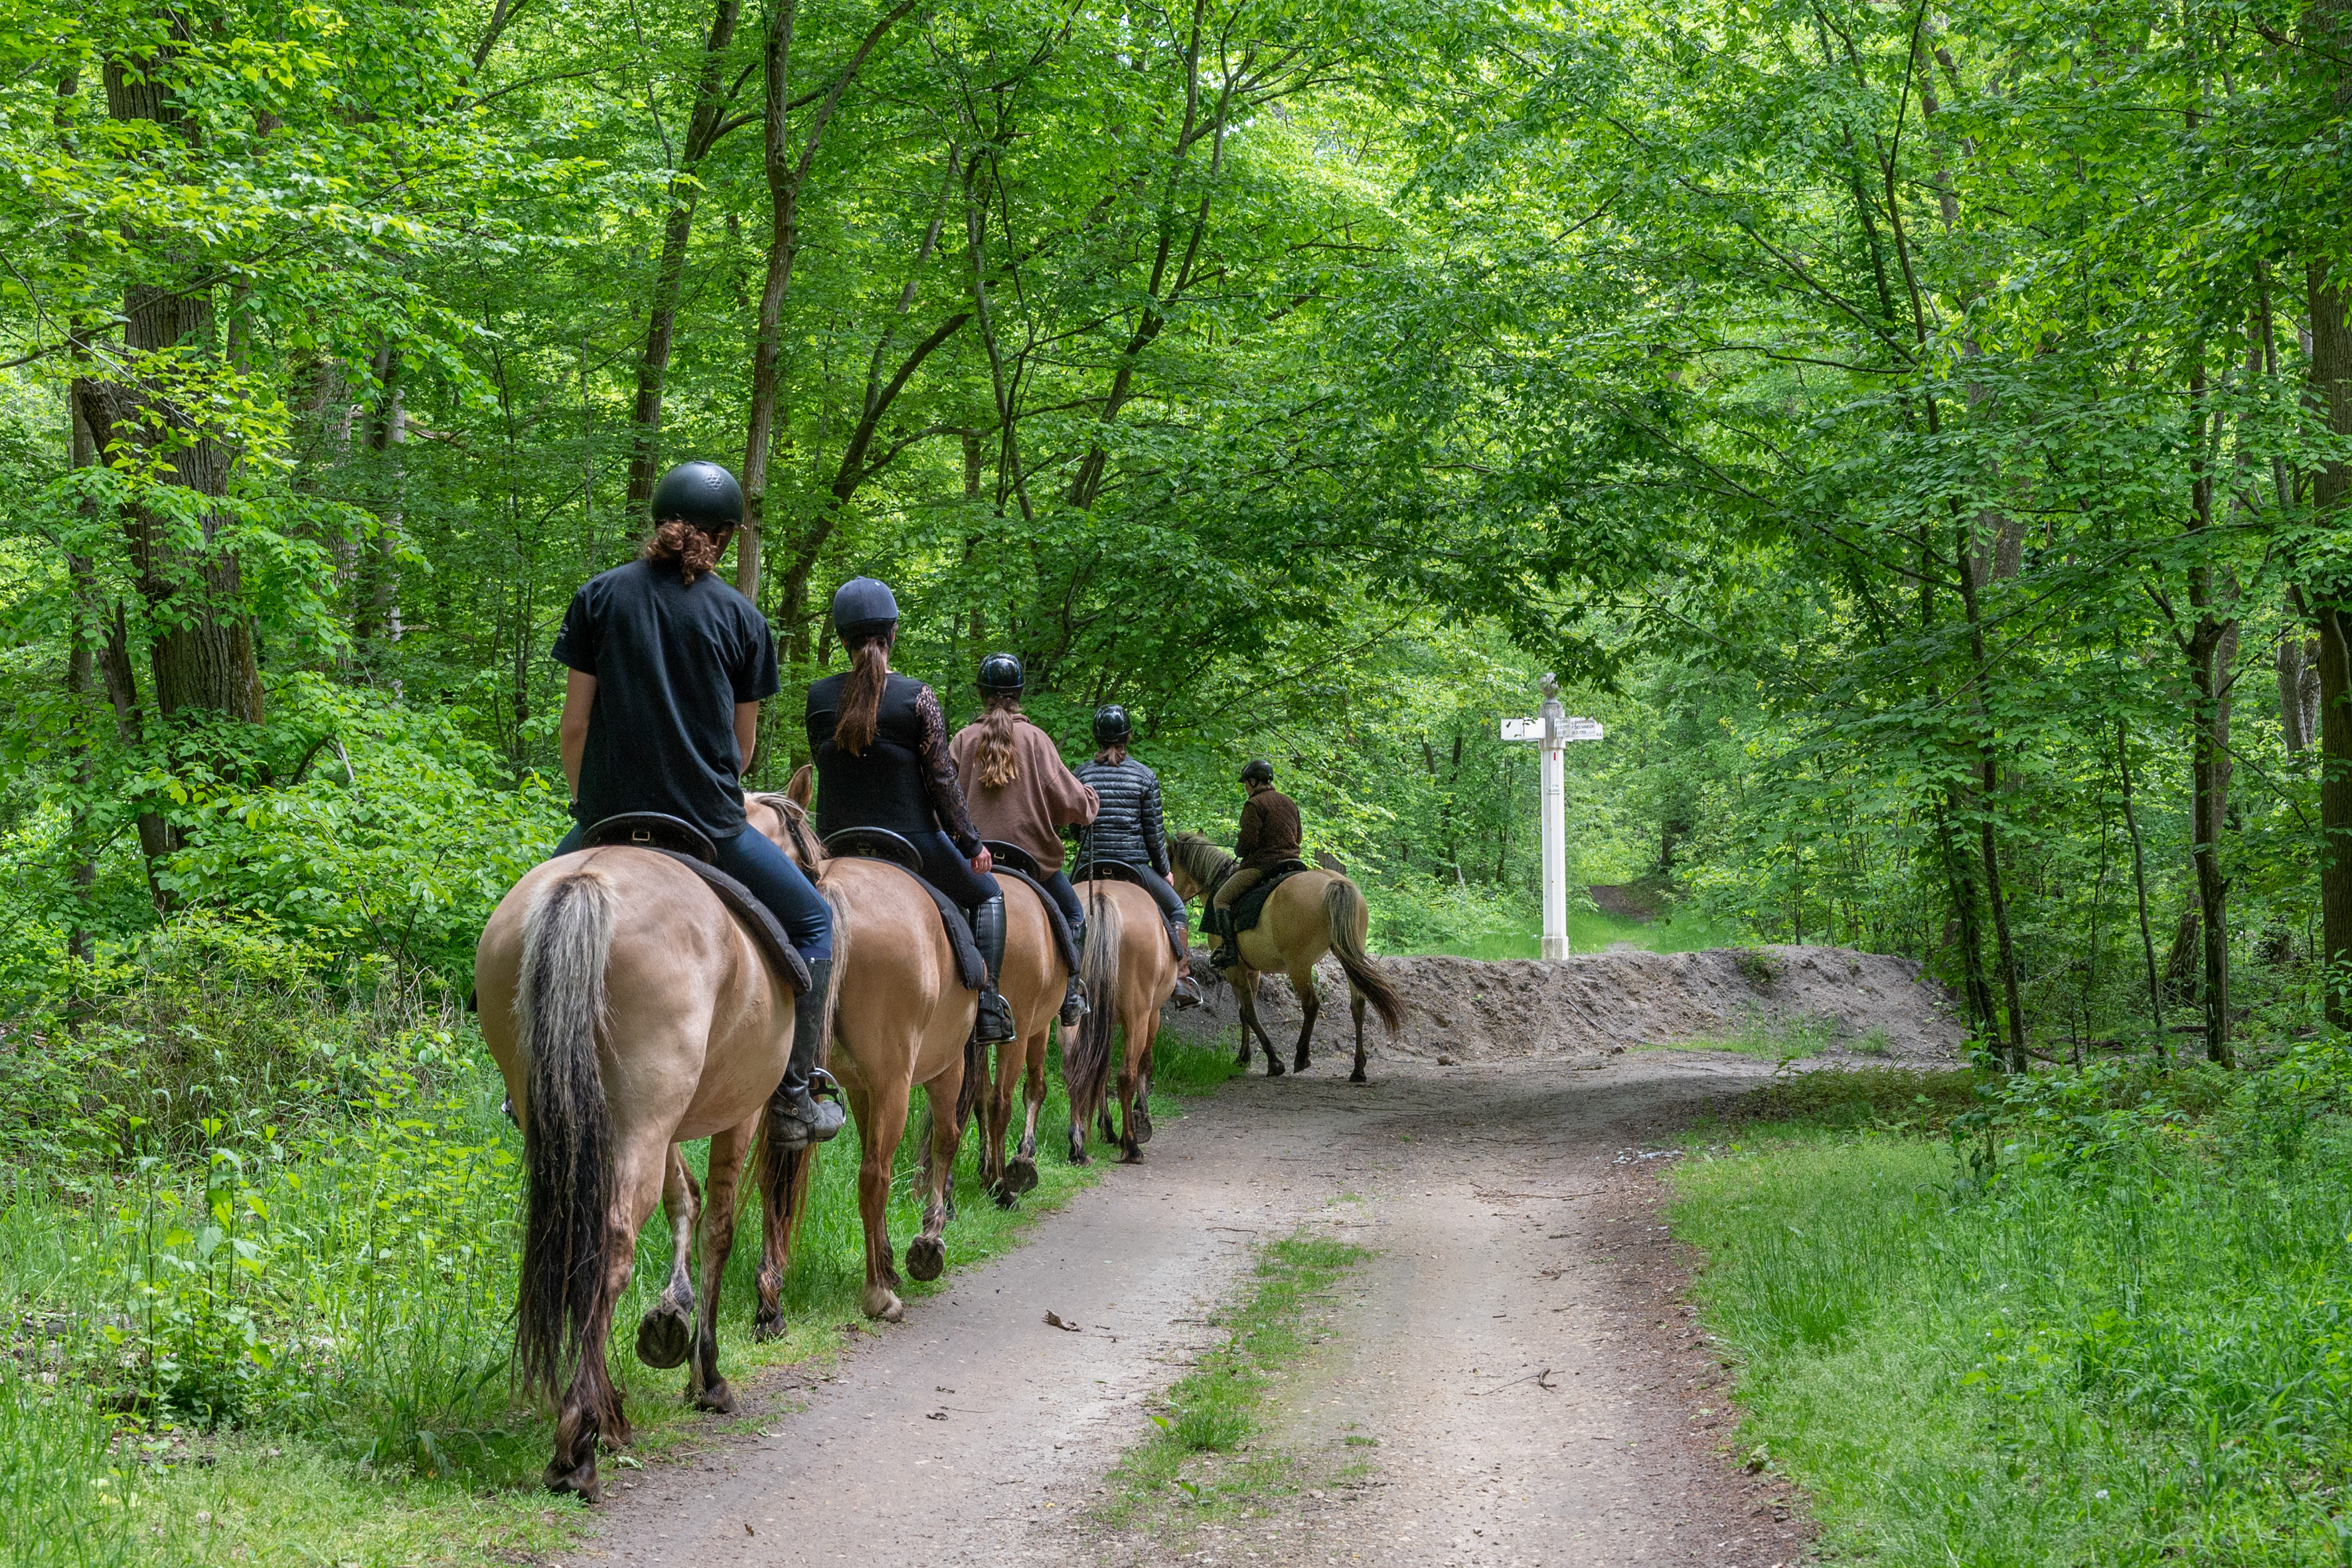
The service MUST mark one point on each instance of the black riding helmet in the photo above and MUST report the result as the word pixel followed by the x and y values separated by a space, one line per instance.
pixel 1257 770
pixel 701 495
pixel 863 606
pixel 1111 728
pixel 1001 673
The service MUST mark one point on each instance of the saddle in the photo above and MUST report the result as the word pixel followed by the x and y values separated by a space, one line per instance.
pixel 688 846
pixel 1014 861
pixel 1126 872
pixel 1251 903
pixel 881 844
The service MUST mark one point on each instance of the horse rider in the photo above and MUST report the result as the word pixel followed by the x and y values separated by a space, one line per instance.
pixel 1269 836
pixel 1128 829
pixel 1021 792
pixel 667 666
pixel 882 760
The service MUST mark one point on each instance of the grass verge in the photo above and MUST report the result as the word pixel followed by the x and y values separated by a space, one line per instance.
pixel 2103 1320
pixel 288 1343
pixel 1207 1460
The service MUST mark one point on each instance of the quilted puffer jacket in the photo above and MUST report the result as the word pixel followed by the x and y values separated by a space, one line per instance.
pixel 1127 828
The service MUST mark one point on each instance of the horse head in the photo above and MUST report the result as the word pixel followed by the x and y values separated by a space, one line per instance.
pixel 1194 862
pixel 791 833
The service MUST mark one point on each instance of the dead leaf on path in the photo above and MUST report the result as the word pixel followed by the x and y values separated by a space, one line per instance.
pixel 1053 1320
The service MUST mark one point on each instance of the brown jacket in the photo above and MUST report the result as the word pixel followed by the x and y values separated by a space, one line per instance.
pixel 1269 830
pixel 1027 812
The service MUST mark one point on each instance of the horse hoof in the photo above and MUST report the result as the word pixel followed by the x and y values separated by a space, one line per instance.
pixel 718 1399
pixel 664 1335
pixel 1005 1196
pixel 1140 1122
pixel 579 1480
pixel 1021 1176
pixel 926 1257
pixel 883 1304
pixel 1274 1067
pixel 767 1326
pixel 1298 1062
pixel 1358 1076
pixel 1242 1060
pixel 1131 1155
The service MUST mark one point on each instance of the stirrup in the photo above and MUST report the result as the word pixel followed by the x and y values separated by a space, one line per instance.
pixel 822 1086
pixel 1074 1005
pixel 1187 994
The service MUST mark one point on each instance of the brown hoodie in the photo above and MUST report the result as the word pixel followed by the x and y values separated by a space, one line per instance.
pixel 1027 812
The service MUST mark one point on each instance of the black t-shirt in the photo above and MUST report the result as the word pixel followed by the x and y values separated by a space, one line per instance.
pixel 671 662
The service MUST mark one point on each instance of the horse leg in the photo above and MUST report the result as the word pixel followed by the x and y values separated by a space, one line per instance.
pixel 704 1389
pixel 666 1334
pixel 1139 1108
pixel 1310 1003
pixel 1246 998
pixel 1356 1006
pixel 885 1115
pixel 927 1255
pixel 1019 1174
pixel 1132 1090
pixel 590 1410
pixel 996 1121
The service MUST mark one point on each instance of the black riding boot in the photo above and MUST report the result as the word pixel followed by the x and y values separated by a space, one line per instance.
pixel 796 1118
pixel 994 1026
pixel 1219 924
pixel 1074 998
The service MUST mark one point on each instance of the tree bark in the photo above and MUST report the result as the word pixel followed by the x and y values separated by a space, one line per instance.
pixel 2208 646
pixel 2331 485
pixel 703 129
pixel 201 640
pixel 2139 880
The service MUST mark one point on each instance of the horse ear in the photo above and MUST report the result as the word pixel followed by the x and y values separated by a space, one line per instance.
pixel 802 788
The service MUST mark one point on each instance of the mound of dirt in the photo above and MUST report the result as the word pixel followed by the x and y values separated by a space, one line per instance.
pixel 1519 1009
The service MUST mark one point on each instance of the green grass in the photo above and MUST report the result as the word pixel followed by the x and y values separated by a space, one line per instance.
pixel 1589 930
pixel 1770 1038
pixel 1207 1459
pixel 290 1344
pixel 2126 1341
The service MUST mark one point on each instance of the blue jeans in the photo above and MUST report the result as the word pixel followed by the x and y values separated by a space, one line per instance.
pixel 775 880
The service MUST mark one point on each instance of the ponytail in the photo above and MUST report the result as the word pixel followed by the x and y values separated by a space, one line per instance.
pixel 1112 754
pixel 1000 762
pixel 861 694
pixel 696 552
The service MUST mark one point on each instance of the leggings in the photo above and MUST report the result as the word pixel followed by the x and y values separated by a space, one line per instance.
pixel 775 880
pixel 945 867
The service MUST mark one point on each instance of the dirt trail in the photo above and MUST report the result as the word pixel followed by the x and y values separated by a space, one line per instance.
pixel 1511 1212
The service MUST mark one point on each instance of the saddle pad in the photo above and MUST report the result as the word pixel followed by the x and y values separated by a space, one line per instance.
pixel 767 932
pixel 969 971
pixel 1063 939
pixel 1121 872
pixel 1251 903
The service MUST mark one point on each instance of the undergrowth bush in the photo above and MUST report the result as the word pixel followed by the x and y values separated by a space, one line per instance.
pixel 2105 1321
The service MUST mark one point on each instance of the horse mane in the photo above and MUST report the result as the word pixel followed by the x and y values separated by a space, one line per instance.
pixel 1202 861
pixel 806 847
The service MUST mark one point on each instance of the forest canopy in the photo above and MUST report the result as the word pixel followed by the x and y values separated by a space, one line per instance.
pixel 1919 433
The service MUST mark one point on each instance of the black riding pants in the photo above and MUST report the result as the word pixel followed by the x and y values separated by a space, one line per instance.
pixel 945 867
pixel 1057 885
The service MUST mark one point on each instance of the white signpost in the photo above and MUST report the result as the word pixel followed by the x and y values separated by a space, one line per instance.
pixel 1553 728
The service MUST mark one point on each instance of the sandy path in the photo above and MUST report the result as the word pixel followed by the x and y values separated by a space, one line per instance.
pixel 974 1432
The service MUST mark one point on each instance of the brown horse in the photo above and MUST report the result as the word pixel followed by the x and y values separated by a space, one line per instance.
pixel 1032 984
pixel 1312 913
pixel 628 1012
pixel 900 1018
pixel 1130 969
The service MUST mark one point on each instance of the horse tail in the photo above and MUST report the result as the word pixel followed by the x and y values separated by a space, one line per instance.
pixel 567 1131
pixel 1344 908
pixel 784 1174
pixel 1086 1061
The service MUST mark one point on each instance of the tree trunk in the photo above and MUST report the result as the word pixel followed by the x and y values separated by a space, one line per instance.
pixel 375 599
pixel 200 649
pixel 2140 879
pixel 669 275
pixel 2331 379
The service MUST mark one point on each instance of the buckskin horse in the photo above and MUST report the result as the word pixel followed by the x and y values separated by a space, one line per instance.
pixel 900 1017
pixel 628 1011
pixel 1032 985
pixel 1313 913
pixel 1130 969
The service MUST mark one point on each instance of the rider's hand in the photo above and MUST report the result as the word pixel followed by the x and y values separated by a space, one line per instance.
pixel 982 861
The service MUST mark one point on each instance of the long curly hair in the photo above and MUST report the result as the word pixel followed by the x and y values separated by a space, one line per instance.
pixel 696 552
pixel 1000 761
